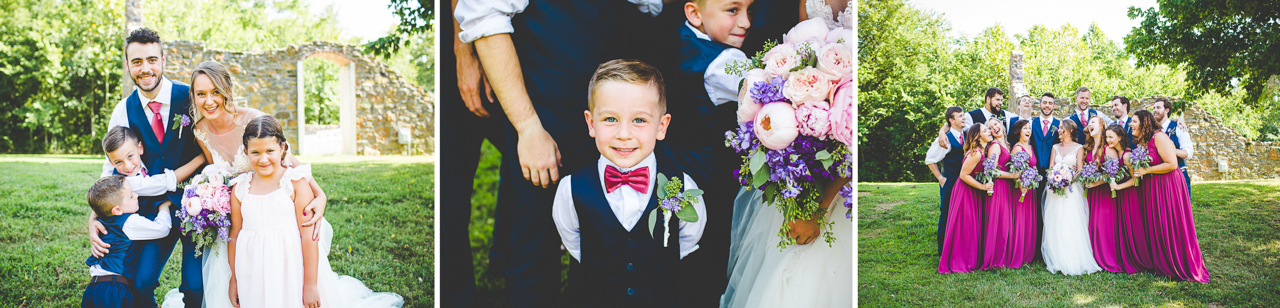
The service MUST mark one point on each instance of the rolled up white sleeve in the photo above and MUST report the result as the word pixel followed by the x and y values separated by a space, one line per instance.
pixel 139 228
pixel 721 86
pixel 1184 139
pixel 651 7
pixel 154 185
pixel 481 18
pixel 936 153
pixel 566 217
pixel 691 232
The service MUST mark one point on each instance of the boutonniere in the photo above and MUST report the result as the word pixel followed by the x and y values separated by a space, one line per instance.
pixel 180 121
pixel 672 198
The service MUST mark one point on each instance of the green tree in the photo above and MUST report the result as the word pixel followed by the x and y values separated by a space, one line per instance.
pixel 1222 43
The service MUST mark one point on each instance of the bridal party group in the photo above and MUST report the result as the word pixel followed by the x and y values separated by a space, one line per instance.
pixel 1084 193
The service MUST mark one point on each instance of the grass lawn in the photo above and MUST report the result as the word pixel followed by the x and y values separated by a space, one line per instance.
pixel 382 211
pixel 491 288
pixel 1237 225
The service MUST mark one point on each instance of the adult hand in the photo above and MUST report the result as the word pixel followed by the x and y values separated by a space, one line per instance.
pixel 96 246
pixel 804 230
pixel 539 157
pixel 316 210
pixel 233 293
pixel 1140 172
pixel 991 186
pixel 942 181
pixel 470 78
pixel 942 137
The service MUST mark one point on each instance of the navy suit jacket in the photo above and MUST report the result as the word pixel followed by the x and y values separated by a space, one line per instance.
pixel 1042 144
pixel 178 147
pixel 1075 117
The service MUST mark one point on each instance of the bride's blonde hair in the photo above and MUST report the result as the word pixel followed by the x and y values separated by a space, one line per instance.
pixel 221 82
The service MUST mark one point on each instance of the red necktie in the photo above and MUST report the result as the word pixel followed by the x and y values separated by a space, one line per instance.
pixel 1045 125
pixel 157 124
pixel 638 179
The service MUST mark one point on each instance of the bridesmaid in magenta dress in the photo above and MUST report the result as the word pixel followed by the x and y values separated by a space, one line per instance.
pixel 1025 212
pixel 962 241
pixel 1134 227
pixel 1175 249
pixel 998 214
pixel 1103 212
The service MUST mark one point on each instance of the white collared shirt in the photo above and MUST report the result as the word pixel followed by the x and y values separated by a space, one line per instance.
pixel 1184 137
pixel 721 86
pixel 627 205
pixel 1085 119
pixel 968 118
pixel 139 228
pixel 152 185
pixel 481 18
pixel 1121 121
pixel 937 153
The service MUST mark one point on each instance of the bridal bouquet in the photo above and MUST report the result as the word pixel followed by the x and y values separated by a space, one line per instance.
pixel 990 171
pixel 1112 171
pixel 1139 158
pixel 1060 179
pixel 206 204
pixel 1028 177
pixel 795 120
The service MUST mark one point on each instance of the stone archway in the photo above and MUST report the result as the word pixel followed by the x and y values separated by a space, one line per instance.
pixel 380 112
pixel 317 139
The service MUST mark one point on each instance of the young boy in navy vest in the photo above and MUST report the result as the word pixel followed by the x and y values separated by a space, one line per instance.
pixel 602 211
pixel 704 100
pixel 951 159
pixel 115 203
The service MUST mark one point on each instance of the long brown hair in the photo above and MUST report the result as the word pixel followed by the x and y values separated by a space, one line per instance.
pixel 1089 142
pixel 971 139
pixel 1119 131
pixel 1147 128
pixel 1071 128
pixel 221 80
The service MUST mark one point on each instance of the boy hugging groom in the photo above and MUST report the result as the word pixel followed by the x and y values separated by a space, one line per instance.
pixel 158 140
pixel 615 217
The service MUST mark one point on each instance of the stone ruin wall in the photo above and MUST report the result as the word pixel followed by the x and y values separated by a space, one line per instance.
pixel 268 81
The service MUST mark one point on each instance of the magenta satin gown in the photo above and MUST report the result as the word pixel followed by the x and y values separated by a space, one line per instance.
pixel 1175 249
pixel 997 245
pixel 1103 222
pixel 963 239
pixel 1134 229
pixel 1025 216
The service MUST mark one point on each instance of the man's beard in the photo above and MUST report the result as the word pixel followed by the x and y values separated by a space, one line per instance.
pixel 153 87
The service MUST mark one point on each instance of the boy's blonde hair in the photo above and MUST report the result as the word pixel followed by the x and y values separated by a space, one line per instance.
pixel 629 71
pixel 105 194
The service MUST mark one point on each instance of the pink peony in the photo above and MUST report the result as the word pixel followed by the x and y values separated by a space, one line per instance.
pixel 204 190
pixel 221 199
pixel 808 84
pixel 841 112
pixel 194 205
pixel 781 59
pixel 776 125
pixel 747 105
pixel 814 119
pixel 837 34
pixel 835 59
pixel 813 28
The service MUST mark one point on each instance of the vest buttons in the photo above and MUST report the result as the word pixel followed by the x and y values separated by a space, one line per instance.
pixel 631 291
pixel 631 267
pixel 631 243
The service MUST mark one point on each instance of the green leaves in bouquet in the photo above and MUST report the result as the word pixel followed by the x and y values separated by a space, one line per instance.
pixel 687 213
pixel 739 68
pixel 759 172
pixel 653 222
pixel 826 158
pixel 662 184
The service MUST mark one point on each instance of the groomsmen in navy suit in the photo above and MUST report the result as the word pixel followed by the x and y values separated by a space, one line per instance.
pixel 993 107
pixel 150 112
pixel 1178 133
pixel 1044 134
pixel 1083 113
pixel 1120 109
pixel 951 159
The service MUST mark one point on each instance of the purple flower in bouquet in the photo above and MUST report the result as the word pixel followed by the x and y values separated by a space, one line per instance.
pixel 1089 174
pixel 1112 171
pixel 672 203
pixel 1021 161
pixel 847 193
pixel 1060 179
pixel 769 91
pixel 1139 158
pixel 743 139
pixel 990 170
pixel 1029 179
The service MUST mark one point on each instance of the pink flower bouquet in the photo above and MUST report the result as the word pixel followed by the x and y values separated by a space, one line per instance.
pixel 206 206
pixel 795 115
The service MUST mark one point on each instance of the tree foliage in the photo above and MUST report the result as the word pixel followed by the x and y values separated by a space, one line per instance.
pixel 1222 43
pixel 417 17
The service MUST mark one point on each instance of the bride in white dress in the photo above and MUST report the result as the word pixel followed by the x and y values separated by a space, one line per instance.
pixel 223 143
pixel 810 275
pixel 1066 246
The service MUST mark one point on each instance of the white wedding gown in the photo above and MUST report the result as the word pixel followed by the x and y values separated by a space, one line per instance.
pixel 760 275
pixel 1066 246
pixel 337 290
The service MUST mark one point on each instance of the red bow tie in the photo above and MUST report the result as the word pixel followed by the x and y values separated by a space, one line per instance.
pixel 638 179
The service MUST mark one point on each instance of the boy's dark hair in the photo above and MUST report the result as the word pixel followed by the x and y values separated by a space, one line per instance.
pixel 105 194
pixel 117 137
pixel 265 127
pixel 143 36
pixel 629 71
pixel 1123 101
pixel 952 111
pixel 993 91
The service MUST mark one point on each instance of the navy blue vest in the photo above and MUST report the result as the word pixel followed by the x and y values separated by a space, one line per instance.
pixel 178 147
pixel 116 260
pixel 1042 144
pixel 1172 132
pixel 954 161
pixel 620 267
pixel 1075 117
pixel 978 116
pixel 690 107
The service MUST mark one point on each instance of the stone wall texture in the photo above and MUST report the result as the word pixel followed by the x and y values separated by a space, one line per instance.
pixel 1214 142
pixel 268 81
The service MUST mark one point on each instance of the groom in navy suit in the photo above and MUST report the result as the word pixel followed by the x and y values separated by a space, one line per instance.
pixel 150 112
pixel 1044 134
